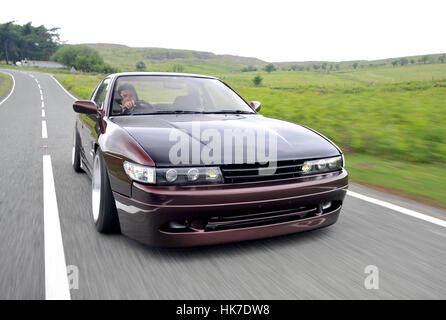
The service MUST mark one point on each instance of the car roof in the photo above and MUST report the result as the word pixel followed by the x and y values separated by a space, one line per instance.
pixel 171 74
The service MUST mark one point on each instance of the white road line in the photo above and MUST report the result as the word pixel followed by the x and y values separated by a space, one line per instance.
pixel 44 131
pixel 13 87
pixel 43 105
pixel 43 113
pixel 56 279
pixel 41 98
pixel 41 93
pixel 31 75
pixel 73 97
pixel 36 81
pixel 402 210
pixel 39 86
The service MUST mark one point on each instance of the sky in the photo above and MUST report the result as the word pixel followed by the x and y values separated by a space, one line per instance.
pixel 275 30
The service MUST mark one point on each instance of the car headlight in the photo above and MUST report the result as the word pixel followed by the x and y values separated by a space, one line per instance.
pixel 140 173
pixel 173 176
pixel 188 176
pixel 322 165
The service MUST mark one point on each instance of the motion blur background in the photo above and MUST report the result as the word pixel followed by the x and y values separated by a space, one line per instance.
pixel 370 75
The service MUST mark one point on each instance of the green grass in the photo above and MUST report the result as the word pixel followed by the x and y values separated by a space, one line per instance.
pixel 419 181
pixel 80 85
pixel 5 84
pixel 407 124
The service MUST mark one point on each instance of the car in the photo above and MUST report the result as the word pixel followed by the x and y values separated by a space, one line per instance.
pixel 181 160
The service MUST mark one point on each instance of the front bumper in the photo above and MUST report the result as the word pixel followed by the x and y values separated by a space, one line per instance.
pixel 146 214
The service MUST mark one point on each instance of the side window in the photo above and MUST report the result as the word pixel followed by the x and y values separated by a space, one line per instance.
pixel 101 92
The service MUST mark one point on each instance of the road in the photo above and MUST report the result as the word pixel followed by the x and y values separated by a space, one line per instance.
pixel 408 252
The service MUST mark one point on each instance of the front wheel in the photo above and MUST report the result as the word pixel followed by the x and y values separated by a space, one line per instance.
pixel 105 216
pixel 75 153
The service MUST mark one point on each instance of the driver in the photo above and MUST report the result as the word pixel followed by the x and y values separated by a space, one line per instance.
pixel 129 104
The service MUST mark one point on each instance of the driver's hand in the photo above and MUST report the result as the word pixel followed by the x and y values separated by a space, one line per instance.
pixel 128 104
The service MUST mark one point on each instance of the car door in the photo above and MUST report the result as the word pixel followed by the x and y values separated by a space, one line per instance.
pixel 90 124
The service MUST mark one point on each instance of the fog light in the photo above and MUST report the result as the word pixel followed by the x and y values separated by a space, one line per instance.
pixel 171 175
pixel 193 174
pixel 177 225
pixel 326 205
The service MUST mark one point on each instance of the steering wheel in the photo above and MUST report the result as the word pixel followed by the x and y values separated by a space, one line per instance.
pixel 141 104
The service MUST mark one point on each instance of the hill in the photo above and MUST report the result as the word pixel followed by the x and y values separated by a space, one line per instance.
pixel 191 61
pixel 161 59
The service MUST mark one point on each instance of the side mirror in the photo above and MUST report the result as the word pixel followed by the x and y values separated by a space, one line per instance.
pixel 85 106
pixel 255 105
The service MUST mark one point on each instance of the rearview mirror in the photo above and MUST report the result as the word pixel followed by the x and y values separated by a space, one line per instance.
pixel 85 106
pixel 255 105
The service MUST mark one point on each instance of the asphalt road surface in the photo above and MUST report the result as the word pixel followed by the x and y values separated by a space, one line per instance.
pixel 409 253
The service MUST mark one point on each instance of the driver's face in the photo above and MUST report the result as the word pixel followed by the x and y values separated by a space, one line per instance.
pixel 127 95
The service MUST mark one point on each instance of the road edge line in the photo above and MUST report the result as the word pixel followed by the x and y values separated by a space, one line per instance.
pixel 13 87
pixel 66 91
pixel 399 209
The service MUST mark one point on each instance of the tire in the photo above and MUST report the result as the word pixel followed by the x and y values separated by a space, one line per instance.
pixel 105 215
pixel 75 153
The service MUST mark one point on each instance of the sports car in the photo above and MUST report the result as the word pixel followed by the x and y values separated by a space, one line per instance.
pixel 180 160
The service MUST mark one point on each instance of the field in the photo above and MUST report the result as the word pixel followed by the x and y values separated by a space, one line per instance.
pixel 390 121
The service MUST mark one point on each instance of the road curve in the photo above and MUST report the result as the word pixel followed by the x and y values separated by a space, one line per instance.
pixel 330 263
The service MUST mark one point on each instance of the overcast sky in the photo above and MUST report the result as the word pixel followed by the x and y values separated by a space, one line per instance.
pixel 275 30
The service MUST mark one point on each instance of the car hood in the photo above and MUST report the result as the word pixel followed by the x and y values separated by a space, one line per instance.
pixel 156 135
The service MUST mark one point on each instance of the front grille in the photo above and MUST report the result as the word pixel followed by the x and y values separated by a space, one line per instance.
pixel 259 219
pixel 234 173
pixel 250 219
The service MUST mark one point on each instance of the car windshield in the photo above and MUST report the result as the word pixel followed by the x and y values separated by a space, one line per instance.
pixel 150 94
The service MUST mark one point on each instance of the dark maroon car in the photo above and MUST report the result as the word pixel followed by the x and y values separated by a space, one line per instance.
pixel 182 160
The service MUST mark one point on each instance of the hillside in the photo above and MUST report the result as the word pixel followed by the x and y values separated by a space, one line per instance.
pixel 161 59
pixel 409 60
pixel 190 61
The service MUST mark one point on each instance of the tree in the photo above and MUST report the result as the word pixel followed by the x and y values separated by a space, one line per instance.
pixel 249 69
pixel 18 42
pixel 404 61
pixel 424 59
pixel 324 66
pixel 316 66
pixel 442 59
pixel 394 63
pixel 355 65
pixel 257 80
pixel 270 67
pixel 82 58
pixel 141 66
pixel 412 61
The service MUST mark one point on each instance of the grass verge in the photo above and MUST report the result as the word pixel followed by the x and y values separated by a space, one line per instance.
pixel 5 85
pixel 422 182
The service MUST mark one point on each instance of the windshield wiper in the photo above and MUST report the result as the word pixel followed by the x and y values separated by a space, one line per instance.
pixel 231 112
pixel 171 112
